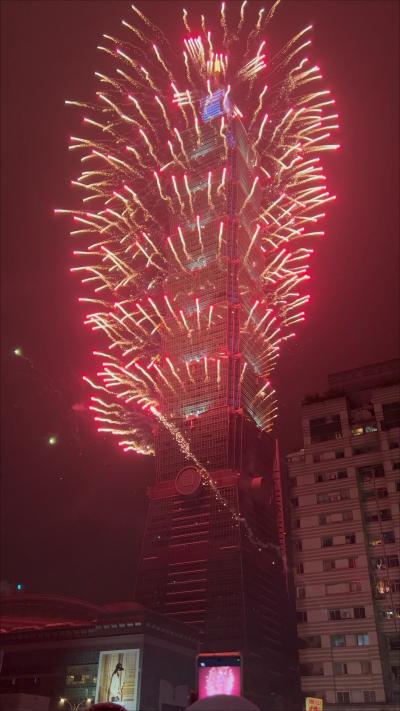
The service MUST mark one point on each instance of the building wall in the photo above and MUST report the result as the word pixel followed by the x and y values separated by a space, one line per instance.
pixel 344 487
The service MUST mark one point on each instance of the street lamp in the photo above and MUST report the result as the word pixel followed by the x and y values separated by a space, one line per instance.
pixel 74 707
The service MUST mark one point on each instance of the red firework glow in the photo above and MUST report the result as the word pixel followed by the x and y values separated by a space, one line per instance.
pixel 180 247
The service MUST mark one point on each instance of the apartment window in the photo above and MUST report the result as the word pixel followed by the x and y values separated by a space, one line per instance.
pixel 397 484
pixel 350 538
pixel 295 501
pixel 386 515
pixel 395 585
pixel 298 546
pixel 355 586
pixel 388 537
pixel 332 496
pixel 334 614
pixel 366 449
pixel 382 493
pixel 328 565
pixel 374 540
pixel 352 562
pixel 293 481
pixel 312 642
pixel 370 428
pixel 396 465
pixel 359 612
pixel 396 671
pixel 391 415
pixel 393 561
pixel 394 445
pixel 335 517
pixel 330 476
pixel 339 668
pixel 338 640
pixel 300 593
pixel 366 668
pixel 362 639
pixel 339 455
pixel 394 642
pixel 391 614
pixel 369 697
pixel 369 473
pixel 301 616
pixel 300 569
pixel 326 542
pixel 296 523
pixel 383 515
pixel 327 428
pixel 343 697
pixel 312 669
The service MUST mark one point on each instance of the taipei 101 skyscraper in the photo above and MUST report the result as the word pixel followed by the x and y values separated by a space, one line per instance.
pixel 202 192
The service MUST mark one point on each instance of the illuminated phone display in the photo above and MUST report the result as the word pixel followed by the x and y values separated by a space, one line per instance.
pixel 219 674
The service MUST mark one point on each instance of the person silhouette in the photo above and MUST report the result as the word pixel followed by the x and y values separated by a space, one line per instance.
pixel 116 686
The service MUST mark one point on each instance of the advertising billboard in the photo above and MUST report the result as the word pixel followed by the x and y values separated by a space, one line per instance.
pixel 117 678
pixel 314 704
pixel 218 674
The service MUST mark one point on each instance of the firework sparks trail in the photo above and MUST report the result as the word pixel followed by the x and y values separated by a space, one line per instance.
pixel 157 172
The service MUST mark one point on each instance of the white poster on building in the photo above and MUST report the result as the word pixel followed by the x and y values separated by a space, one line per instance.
pixel 117 678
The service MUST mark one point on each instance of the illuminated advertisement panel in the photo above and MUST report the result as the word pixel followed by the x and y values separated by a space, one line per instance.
pixel 117 679
pixel 218 674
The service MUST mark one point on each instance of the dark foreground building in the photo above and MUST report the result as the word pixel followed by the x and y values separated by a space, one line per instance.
pixel 56 648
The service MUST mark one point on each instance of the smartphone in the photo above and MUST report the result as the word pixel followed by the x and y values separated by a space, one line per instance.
pixel 219 673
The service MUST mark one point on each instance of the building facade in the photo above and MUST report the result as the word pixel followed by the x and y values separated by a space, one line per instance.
pixel 344 488
pixel 60 653
pixel 200 563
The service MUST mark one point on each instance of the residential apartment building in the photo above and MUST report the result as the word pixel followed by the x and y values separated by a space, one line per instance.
pixel 344 488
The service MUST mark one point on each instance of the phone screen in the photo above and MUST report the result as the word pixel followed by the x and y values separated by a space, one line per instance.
pixel 219 674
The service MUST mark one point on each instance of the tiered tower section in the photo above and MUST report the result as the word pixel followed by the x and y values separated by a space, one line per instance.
pixel 199 564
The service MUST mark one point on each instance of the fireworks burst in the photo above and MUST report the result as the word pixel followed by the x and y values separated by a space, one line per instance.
pixel 157 217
